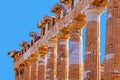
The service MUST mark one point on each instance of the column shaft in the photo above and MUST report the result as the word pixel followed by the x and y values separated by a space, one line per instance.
pixel 21 75
pixel 42 67
pixel 75 59
pixel 17 74
pixel 51 63
pixel 92 56
pixel 34 68
pixel 28 71
pixel 112 56
pixel 62 59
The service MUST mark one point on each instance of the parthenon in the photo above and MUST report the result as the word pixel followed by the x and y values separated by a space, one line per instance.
pixel 48 56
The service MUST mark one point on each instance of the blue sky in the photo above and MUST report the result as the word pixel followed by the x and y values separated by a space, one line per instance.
pixel 17 19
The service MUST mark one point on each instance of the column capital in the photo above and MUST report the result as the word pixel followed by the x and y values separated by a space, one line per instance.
pixel 52 43
pixel 43 50
pixel 93 13
pixel 16 69
pixel 34 56
pixel 21 66
pixel 78 21
pixel 101 3
pixel 91 8
pixel 64 33
pixel 95 10
pixel 28 62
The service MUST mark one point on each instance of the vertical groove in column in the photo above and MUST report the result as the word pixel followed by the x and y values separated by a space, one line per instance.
pixel 112 56
pixel 42 67
pixel 75 59
pixel 92 56
pixel 51 63
pixel 62 59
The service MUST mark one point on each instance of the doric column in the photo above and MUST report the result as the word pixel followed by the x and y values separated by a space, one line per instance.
pixel 28 70
pixel 42 67
pixel 62 56
pixel 21 69
pixel 112 56
pixel 34 67
pixel 24 71
pixel 92 55
pixel 75 56
pixel 16 73
pixel 51 60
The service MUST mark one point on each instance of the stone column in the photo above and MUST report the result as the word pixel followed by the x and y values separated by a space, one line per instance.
pixel 21 75
pixel 42 67
pixel 112 56
pixel 24 71
pixel 75 59
pixel 51 60
pixel 62 57
pixel 16 73
pixel 28 70
pixel 92 55
pixel 34 67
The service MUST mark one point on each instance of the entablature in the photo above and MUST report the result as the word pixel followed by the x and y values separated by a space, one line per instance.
pixel 100 3
pixel 64 1
pixel 35 36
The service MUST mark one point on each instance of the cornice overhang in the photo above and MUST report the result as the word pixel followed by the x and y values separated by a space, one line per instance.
pixel 57 8
pixel 33 34
pixel 40 25
pixel 45 20
pixel 100 3
pixel 64 1
pixel 13 53
pixel 24 44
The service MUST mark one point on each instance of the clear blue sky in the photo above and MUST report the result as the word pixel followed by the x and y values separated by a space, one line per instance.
pixel 17 19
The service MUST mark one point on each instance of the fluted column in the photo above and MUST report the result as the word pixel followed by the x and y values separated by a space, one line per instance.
pixel 21 75
pixel 51 60
pixel 92 55
pixel 24 71
pixel 75 59
pixel 16 73
pixel 62 57
pixel 42 67
pixel 34 67
pixel 112 56
pixel 28 70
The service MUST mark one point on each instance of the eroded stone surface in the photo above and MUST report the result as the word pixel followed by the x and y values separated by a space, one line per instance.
pixel 68 22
